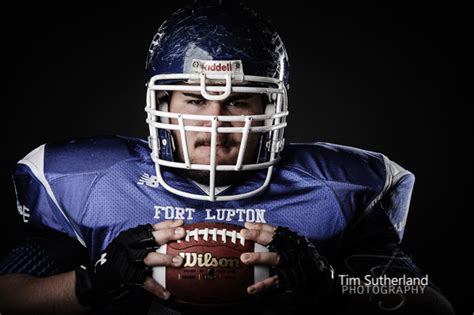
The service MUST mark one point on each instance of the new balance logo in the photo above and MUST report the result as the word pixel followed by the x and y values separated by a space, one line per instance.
pixel 148 180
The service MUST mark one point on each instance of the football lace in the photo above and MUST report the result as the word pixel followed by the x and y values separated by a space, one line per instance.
pixel 214 233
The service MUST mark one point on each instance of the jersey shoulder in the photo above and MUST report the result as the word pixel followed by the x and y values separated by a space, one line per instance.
pixel 84 155
pixel 337 163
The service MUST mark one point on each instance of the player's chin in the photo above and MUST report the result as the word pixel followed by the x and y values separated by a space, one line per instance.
pixel 222 178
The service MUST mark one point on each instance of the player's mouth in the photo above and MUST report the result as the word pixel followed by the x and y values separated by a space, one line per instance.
pixel 219 148
pixel 221 145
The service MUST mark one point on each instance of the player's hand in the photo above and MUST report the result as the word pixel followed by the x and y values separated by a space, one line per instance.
pixel 262 234
pixel 125 263
pixel 293 258
pixel 163 233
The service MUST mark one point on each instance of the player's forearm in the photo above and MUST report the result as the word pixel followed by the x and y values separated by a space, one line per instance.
pixel 20 292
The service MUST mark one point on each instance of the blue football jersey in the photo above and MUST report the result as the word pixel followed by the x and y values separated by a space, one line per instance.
pixel 92 189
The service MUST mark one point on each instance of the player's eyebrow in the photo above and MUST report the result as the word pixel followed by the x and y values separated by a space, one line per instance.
pixel 240 97
pixel 233 97
pixel 197 95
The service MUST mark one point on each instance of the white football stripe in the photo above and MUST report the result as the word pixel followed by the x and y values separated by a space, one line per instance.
pixel 159 272
pixel 261 272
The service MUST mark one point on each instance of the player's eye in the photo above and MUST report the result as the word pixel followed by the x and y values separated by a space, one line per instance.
pixel 237 103
pixel 196 102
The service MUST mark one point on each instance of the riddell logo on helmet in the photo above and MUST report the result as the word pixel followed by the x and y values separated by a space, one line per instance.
pixel 217 67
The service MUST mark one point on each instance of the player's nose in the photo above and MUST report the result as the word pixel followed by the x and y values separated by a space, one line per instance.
pixel 216 108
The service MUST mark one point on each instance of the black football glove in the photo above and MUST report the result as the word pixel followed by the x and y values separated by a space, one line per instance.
pixel 301 268
pixel 118 269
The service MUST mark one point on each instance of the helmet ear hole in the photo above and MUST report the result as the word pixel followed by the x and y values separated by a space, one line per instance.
pixel 163 106
pixel 269 110
pixel 163 99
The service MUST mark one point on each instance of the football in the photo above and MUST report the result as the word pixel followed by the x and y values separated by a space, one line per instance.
pixel 212 273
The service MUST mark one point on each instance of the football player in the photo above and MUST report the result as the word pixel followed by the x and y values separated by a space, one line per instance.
pixel 217 107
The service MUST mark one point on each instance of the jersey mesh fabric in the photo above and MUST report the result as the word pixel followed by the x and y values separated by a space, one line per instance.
pixel 117 202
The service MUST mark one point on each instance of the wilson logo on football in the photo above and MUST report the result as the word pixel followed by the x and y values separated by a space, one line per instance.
pixel 207 260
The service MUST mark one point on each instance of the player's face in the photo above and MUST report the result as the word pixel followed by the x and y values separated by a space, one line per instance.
pixel 228 144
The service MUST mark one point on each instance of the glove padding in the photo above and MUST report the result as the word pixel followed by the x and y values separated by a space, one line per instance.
pixel 119 268
pixel 301 268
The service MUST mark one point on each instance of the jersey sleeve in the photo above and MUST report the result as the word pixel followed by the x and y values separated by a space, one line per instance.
pixel 371 246
pixel 54 183
pixel 37 202
pixel 387 212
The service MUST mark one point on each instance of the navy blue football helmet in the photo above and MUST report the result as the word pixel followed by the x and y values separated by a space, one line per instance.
pixel 216 49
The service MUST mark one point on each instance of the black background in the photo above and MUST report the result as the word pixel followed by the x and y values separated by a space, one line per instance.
pixel 385 78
